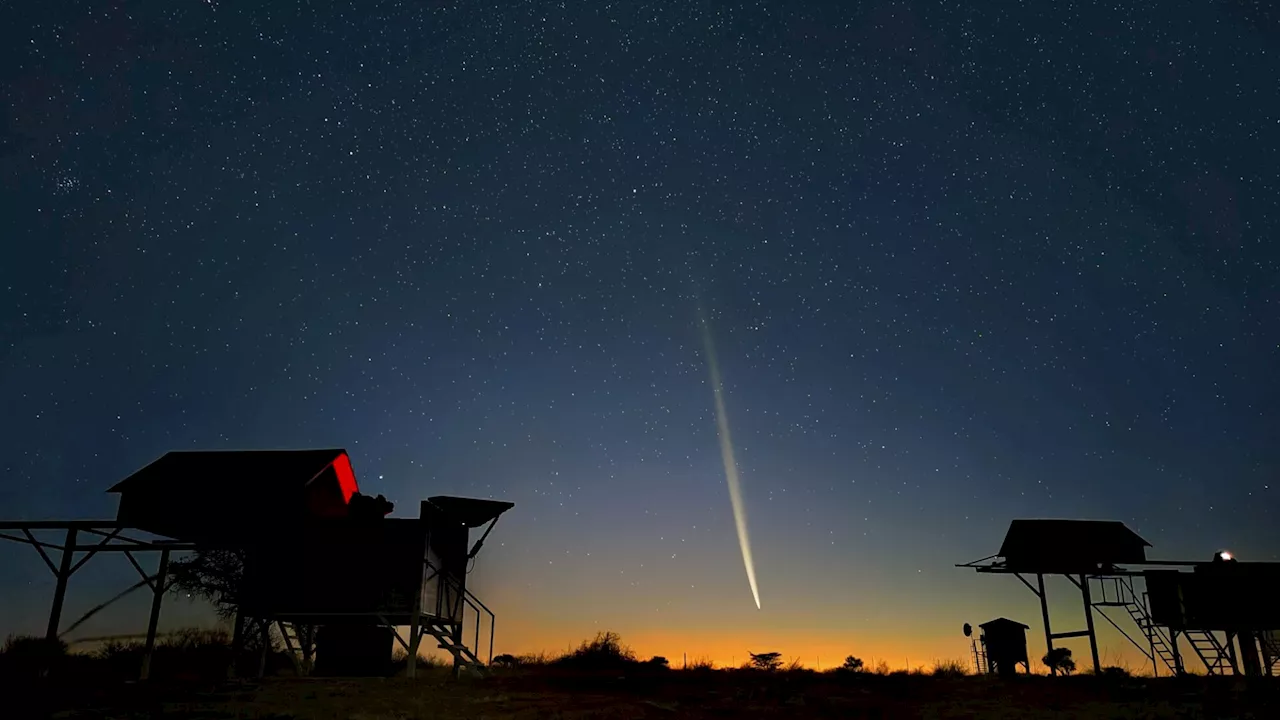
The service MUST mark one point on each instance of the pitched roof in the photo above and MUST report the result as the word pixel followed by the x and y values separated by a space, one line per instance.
pixel 193 471
pixel 1029 537
pixel 1003 622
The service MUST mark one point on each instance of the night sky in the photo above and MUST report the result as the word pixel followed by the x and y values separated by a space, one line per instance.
pixel 960 265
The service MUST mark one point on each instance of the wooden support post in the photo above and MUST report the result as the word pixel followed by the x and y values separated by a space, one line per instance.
pixel 60 587
pixel 1088 619
pixel 265 639
pixel 1044 614
pixel 157 597
pixel 237 644
pixel 1177 654
pixel 415 614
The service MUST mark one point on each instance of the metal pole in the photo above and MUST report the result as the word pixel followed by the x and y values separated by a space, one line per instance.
pixel 1177 655
pixel 415 612
pixel 237 643
pixel 1044 613
pixel 157 596
pixel 60 588
pixel 265 624
pixel 1088 619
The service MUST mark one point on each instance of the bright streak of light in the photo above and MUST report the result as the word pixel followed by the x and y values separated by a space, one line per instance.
pixel 730 464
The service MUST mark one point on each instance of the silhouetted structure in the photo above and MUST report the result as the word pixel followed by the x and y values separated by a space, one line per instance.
pixel 1217 607
pixel 1004 646
pixel 317 553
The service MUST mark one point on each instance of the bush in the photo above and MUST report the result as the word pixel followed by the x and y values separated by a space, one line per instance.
pixel 1115 672
pixel 852 664
pixel 604 652
pixel 506 660
pixel 768 661
pixel 1059 659
pixel 190 653
pixel 28 656
pixel 950 669
pixel 657 661
pixel 702 665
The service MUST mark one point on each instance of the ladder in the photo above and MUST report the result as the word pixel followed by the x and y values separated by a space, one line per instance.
pixel 1122 594
pixel 463 656
pixel 979 658
pixel 1160 645
pixel 1210 651
pixel 299 642
pixel 1269 643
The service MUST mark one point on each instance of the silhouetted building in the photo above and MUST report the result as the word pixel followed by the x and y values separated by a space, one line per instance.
pixel 1070 546
pixel 230 497
pixel 1005 646
pixel 1223 610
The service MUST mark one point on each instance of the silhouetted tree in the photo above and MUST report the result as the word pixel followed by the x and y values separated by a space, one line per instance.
pixel 605 652
pixel 766 661
pixel 852 664
pixel 658 661
pixel 214 575
pixel 506 660
pixel 1059 660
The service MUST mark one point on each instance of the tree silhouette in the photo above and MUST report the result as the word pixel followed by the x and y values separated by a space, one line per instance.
pixel 852 664
pixel 766 661
pixel 1059 660
pixel 506 660
pixel 212 574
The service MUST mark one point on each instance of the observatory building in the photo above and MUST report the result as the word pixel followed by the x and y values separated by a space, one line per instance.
pixel 1222 609
pixel 322 563
pixel 1004 647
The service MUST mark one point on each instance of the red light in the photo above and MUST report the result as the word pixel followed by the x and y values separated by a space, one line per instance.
pixel 346 477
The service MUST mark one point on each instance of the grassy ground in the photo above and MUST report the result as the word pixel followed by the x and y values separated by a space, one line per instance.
pixel 575 695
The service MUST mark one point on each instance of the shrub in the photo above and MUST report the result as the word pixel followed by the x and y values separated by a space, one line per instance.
pixel 702 664
pixel 1059 659
pixel 29 656
pixel 657 661
pixel 950 669
pixel 768 661
pixel 604 652
pixel 533 659
pixel 852 664
pixel 506 660
pixel 1115 672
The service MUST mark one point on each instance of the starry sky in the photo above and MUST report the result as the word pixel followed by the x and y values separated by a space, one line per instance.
pixel 961 262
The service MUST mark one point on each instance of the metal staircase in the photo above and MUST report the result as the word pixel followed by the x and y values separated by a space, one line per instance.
pixel 464 658
pixel 300 643
pixel 1270 644
pixel 445 623
pixel 1214 655
pixel 1118 591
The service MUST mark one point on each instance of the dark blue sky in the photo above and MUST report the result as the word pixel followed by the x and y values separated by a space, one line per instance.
pixel 962 264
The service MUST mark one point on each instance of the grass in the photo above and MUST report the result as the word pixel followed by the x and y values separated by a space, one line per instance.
pixel 601 678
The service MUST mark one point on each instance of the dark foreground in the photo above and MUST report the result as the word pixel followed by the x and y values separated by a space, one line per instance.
pixel 673 694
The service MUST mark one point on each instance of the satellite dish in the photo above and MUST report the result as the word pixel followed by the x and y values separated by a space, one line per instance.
pixel 968 630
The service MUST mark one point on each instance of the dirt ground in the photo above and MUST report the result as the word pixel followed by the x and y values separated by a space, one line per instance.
pixel 674 694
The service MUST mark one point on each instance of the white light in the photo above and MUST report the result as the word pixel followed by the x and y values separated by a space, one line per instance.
pixel 1225 555
pixel 730 463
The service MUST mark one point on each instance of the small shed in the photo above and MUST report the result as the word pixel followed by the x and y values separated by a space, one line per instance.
pixel 1005 644
pixel 220 497
pixel 1070 546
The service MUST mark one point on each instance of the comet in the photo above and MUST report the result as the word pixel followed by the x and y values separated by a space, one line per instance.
pixel 727 457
